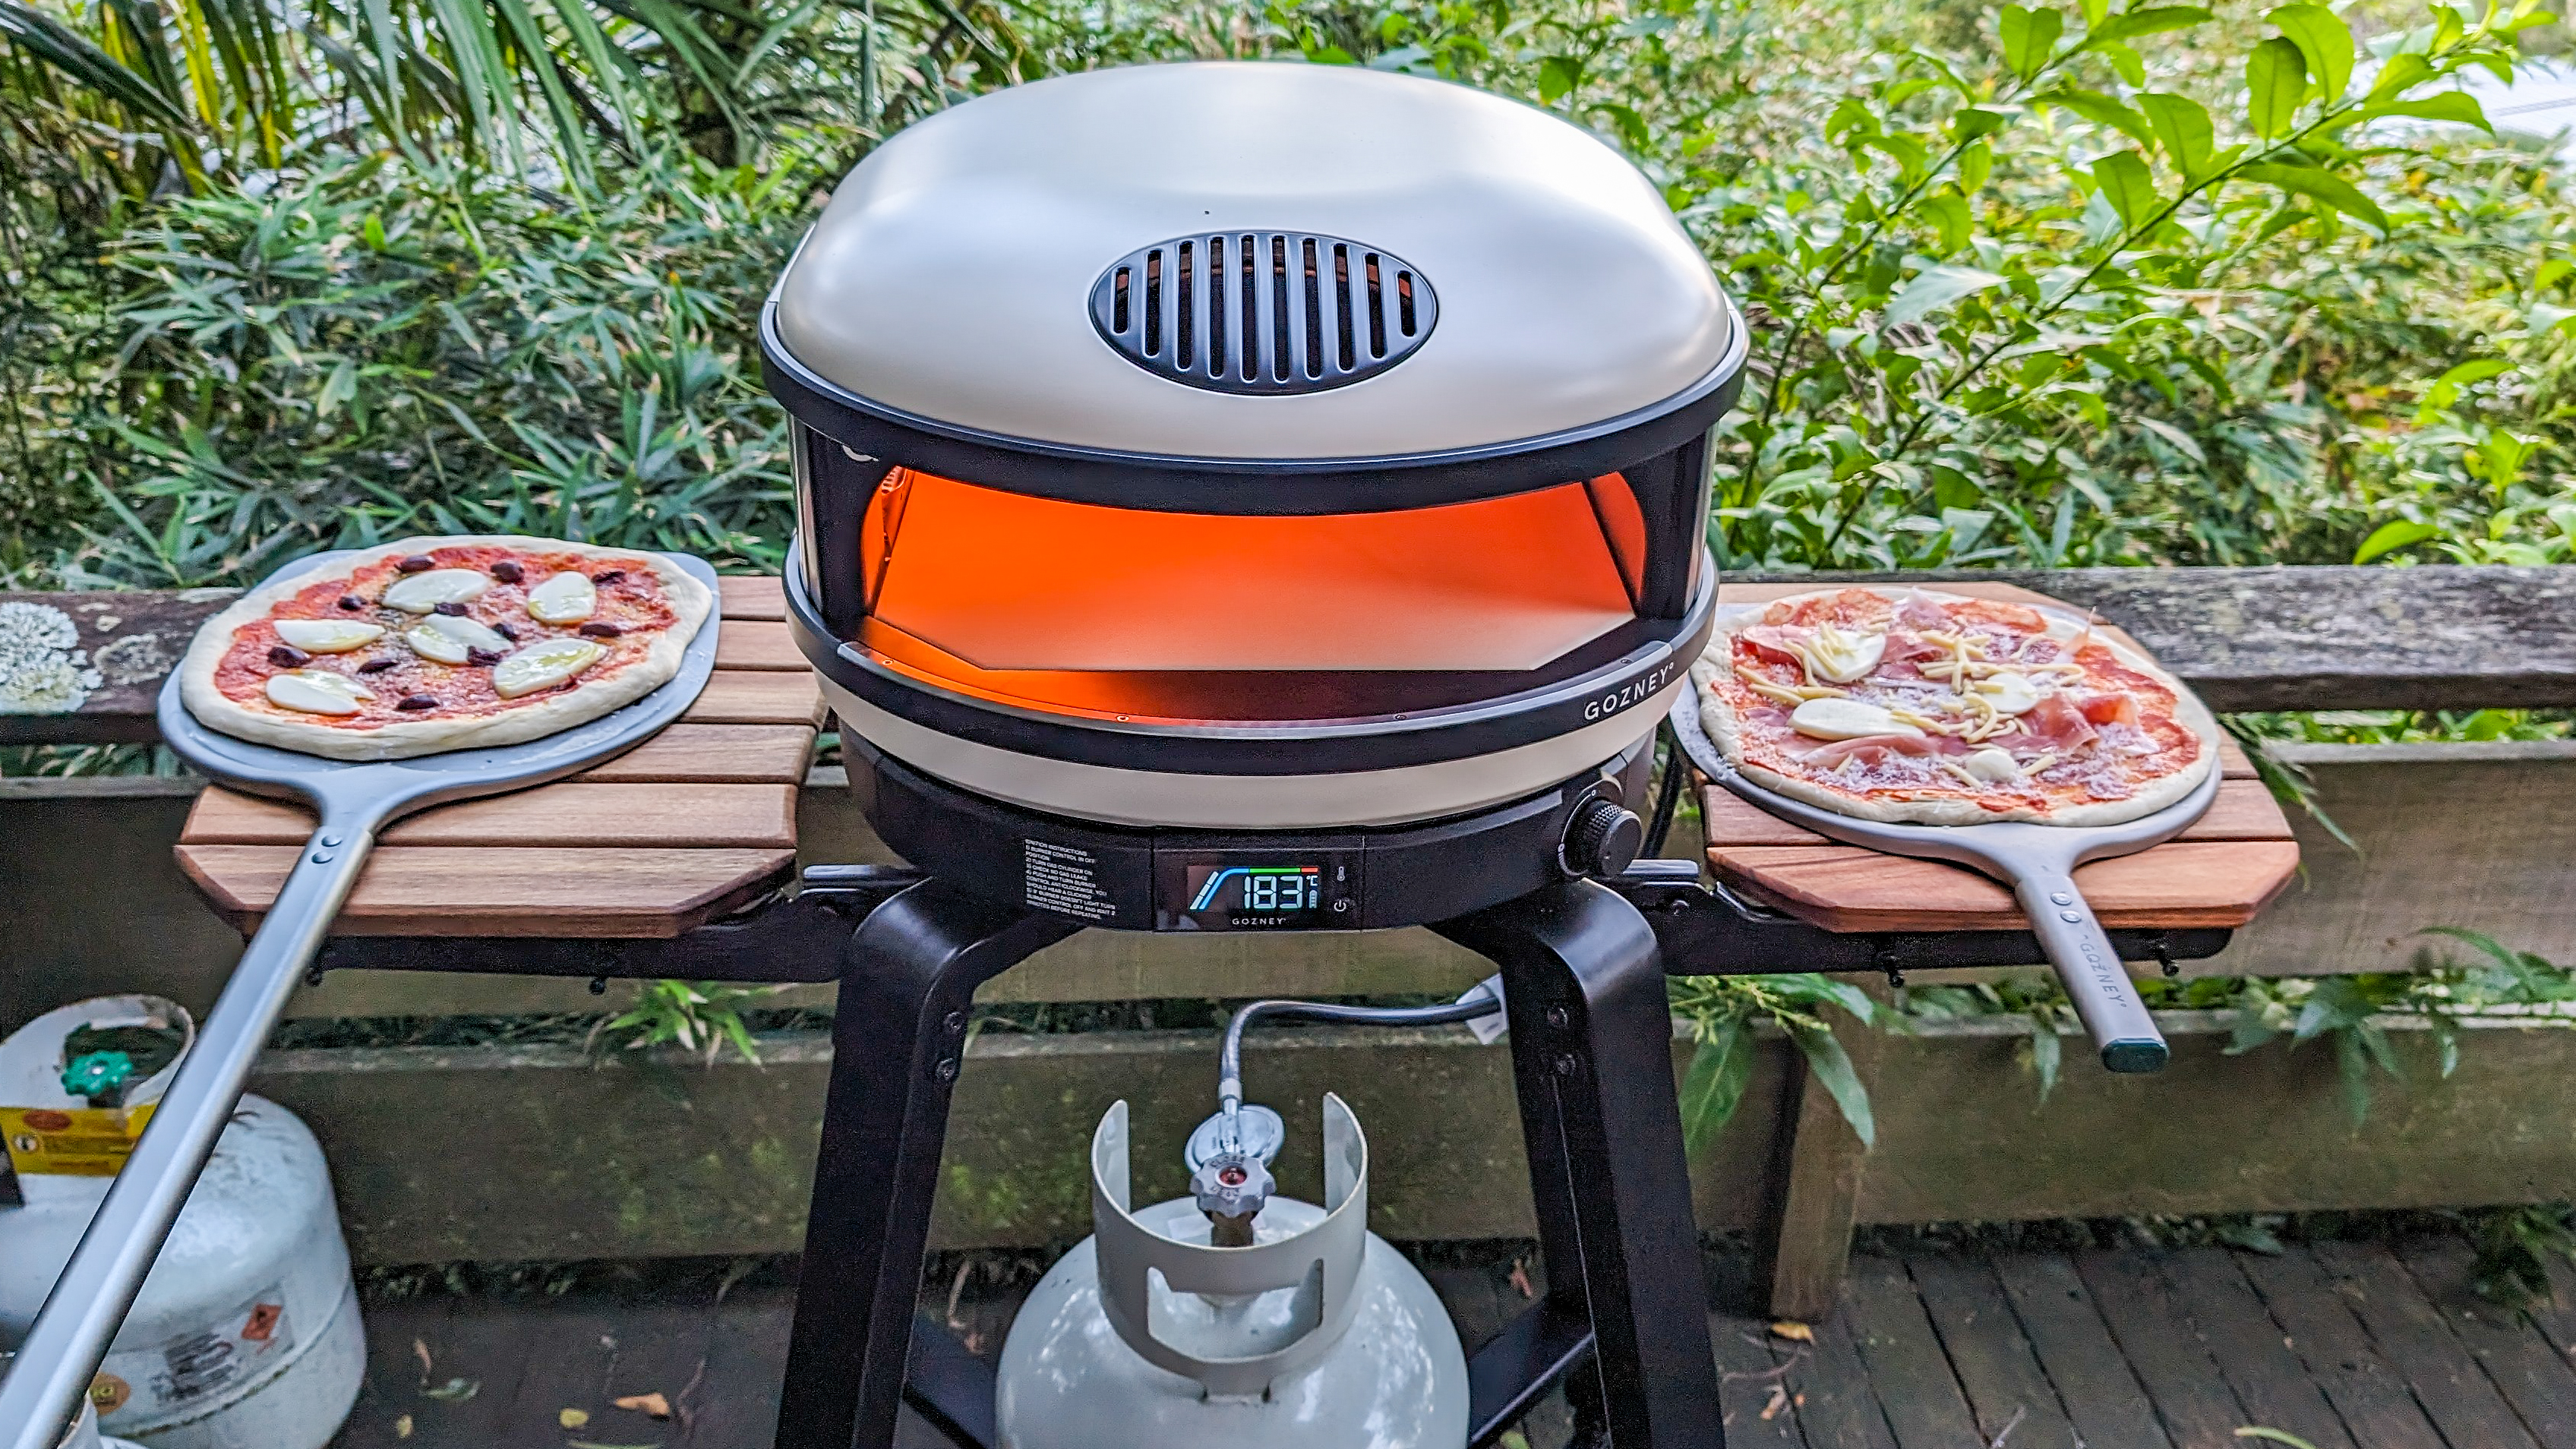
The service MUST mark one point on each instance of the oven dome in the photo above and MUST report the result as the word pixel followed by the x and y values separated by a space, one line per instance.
pixel 953 277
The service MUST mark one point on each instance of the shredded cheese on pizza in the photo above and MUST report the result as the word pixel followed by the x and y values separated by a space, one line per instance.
pixel 1957 700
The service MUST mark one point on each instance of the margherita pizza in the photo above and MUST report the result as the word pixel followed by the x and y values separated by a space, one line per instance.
pixel 436 644
pixel 1904 706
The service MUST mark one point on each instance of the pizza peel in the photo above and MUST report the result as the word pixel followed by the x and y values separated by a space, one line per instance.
pixel 355 799
pixel 2037 861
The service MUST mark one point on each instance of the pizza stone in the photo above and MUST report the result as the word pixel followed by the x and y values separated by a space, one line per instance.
pixel 1718 721
pixel 519 722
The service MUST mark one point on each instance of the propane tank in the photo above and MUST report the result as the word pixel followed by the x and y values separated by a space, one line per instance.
pixel 1153 1333
pixel 245 1334
pixel 83 1431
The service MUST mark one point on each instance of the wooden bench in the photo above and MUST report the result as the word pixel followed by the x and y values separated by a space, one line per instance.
pixel 684 828
pixel 2328 638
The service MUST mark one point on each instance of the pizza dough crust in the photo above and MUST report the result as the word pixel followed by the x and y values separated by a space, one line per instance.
pixel 691 600
pixel 1717 720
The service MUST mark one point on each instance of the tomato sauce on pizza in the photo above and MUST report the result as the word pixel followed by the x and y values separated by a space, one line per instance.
pixel 1938 709
pixel 453 674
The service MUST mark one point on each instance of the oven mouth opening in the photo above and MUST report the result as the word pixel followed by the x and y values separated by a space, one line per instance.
pixel 1130 615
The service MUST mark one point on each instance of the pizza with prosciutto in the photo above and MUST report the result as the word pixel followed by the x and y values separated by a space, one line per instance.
pixel 435 644
pixel 1910 707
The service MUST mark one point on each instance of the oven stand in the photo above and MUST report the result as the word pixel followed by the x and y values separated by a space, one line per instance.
pixel 1592 1060
pixel 1623 1326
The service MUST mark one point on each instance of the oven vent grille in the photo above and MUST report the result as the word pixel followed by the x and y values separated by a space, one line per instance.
pixel 1263 312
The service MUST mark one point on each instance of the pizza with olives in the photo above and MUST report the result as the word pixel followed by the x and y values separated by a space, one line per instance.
pixel 434 644
pixel 1912 707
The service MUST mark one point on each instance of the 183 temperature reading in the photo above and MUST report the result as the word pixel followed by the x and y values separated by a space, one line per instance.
pixel 1256 895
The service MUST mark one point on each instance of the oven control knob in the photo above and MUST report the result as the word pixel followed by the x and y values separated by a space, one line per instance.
pixel 1602 839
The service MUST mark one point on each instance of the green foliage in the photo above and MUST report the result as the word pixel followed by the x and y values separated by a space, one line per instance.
pixel 1725 1012
pixel 369 351
pixel 698 1016
pixel 2351 1013
pixel 218 89
pixel 2514 1249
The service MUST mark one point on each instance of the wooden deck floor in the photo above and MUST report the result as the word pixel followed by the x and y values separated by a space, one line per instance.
pixel 2343 1345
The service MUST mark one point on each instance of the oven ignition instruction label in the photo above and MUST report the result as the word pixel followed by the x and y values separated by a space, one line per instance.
pixel 1065 879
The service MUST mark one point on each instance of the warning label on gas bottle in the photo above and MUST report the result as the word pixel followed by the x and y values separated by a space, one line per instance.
pixel 72 1141
pixel 194 1366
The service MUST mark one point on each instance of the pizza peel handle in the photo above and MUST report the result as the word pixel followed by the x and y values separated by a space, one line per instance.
pixel 353 801
pixel 81 1315
pixel 2099 986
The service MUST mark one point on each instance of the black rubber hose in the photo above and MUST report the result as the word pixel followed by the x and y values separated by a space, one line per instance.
pixel 1668 795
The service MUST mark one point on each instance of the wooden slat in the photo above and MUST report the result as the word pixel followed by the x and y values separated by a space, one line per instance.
pixel 746 696
pixel 2366 1392
pixel 2244 810
pixel 425 890
pixel 2007 1390
pixel 1810 1227
pixel 2410 1332
pixel 2268 1378
pixel 1753 1397
pixel 1913 1378
pixel 2192 1400
pixel 757 644
pixel 709 754
pixel 2529 1370
pixel 2101 1394
pixel 1843 888
pixel 1837 1406
pixel 573 816
pixel 752 596
pixel 2245 639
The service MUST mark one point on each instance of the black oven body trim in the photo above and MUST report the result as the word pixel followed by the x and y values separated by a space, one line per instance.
pixel 1465 731
pixel 1268 486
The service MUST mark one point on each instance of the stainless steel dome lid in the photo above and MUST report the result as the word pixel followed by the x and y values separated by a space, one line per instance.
pixel 950 285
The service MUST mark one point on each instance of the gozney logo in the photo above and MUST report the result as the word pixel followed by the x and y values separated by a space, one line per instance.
pixel 1635 691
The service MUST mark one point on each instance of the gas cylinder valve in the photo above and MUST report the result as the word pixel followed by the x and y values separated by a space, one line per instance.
pixel 1232 1188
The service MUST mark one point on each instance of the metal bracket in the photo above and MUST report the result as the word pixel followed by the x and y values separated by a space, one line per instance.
pixel 787 937
pixel 1705 929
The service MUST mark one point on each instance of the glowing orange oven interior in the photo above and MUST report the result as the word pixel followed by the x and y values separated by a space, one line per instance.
pixel 1073 607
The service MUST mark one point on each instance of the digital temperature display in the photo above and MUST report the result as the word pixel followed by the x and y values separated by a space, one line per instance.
pixel 1221 891
pixel 1260 890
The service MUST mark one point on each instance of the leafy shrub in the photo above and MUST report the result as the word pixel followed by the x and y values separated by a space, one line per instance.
pixel 369 350
pixel 2083 287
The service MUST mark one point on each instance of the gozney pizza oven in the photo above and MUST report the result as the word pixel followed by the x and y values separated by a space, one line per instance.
pixel 1251 496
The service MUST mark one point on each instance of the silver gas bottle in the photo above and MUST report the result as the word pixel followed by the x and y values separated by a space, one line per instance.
pixel 246 1333
pixel 1148 1336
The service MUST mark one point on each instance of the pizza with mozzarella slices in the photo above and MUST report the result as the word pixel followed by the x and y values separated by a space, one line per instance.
pixel 435 644
pixel 1912 707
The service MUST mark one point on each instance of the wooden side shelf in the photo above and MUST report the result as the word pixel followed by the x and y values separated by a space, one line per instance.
pixel 2219 873
pixel 687 825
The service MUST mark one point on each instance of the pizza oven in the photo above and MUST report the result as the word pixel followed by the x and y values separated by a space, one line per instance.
pixel 1255 449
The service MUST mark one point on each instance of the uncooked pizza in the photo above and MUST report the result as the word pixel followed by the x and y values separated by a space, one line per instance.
pixel 436 644
pixel 1906 706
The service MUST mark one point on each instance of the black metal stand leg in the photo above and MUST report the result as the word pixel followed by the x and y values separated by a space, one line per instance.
pixel 898 1035
pixel 1592 1060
